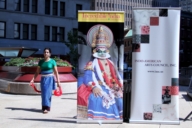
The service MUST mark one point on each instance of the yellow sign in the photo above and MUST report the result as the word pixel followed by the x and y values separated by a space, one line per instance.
pixel 100 16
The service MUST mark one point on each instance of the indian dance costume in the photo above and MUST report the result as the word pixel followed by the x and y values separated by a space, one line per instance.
pixel 100 73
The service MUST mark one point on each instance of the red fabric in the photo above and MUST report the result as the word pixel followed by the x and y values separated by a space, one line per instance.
pixel 83 95
pixel 114 74
pixel 34 87
pixel 107 81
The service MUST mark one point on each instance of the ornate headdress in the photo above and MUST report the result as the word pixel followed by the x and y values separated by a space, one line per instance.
pixel 100 36
pixel 100 39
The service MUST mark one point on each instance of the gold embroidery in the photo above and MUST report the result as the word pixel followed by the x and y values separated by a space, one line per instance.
pixel 88 66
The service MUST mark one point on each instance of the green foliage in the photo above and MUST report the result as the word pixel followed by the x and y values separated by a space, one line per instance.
pixel 33 61
pixel 62 63
pixel 15 62
pixel 73 49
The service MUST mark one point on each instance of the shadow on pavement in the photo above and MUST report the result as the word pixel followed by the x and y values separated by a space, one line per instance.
pixel 74 117
pixel 186 97
pixel 69 98
pixel 188 119
pixel 47 120
pixel 25 109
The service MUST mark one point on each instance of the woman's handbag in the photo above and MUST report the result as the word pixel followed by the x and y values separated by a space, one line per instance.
pixel 58 92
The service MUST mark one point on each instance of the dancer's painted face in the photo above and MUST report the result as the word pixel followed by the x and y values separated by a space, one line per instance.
pixel 101 52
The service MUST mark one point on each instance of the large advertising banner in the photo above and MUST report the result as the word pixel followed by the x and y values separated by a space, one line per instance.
pixel 155 66
pixel 100 67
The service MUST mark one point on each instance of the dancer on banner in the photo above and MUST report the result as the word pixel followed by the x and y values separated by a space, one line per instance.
pixel 100 92
pixel 46 67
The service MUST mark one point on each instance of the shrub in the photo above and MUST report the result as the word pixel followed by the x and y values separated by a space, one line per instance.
pixel 33 61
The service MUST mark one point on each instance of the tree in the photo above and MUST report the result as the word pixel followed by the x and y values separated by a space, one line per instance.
pixel 72 44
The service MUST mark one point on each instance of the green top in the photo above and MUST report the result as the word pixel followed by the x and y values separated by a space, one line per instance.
pixel 47 65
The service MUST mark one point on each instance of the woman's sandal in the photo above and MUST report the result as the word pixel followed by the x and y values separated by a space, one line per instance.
pixel 45 112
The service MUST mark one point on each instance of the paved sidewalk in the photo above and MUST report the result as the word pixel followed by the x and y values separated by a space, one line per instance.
pixel 23 111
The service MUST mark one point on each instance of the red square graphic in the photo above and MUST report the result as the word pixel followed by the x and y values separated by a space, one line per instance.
pixel 154 21
pixel 147 116
pixel 174 90
pixel 145 30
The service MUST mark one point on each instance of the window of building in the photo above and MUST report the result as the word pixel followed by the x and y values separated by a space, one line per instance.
pixel 2 29
pixel 16 30
pixel 188 22
pixel 130 57
pixel 2 4
pixel 26 5
pixel 78 7
pixel 62 9
pixel 55 7
pixel 189 33
pixel 97 4
pixel 182 44
pixel 33 32
pixel 183 33
pixel 17 5
pixel 54 33
pixel 103 4
pixel 25 31
pixel 34 6
pixel 46 33
pixel 47 7
pixel 62 33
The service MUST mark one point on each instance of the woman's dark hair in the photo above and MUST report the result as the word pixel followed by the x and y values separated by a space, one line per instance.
pixel 47 49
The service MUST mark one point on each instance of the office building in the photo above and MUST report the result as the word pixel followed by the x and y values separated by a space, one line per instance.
pixel 120 5
pixel 39 23
pixel 165 3
pixel 186 39
pixel 186 5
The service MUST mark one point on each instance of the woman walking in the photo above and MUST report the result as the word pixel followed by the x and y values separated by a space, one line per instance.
pixel 47 67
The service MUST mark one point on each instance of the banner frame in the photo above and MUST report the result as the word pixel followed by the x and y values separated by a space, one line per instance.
pixel 99 121
pixel 177 122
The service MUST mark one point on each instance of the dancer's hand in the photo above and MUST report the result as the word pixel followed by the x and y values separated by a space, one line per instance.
pixel 96 91
pixel 31 82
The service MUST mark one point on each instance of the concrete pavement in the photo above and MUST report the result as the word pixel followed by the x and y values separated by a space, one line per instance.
pixel 23 111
